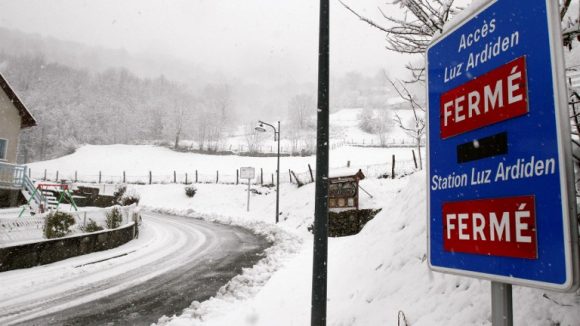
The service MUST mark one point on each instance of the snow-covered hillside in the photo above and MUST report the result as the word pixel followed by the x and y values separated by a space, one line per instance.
pixel 372 276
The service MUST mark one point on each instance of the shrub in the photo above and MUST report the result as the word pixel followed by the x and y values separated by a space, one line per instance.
pixel 119 193
pixel 92 226
pixel 130 197
pixel 190 191
pixel 57 225
pixel 114 218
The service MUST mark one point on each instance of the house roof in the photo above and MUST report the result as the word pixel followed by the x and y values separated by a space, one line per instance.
pixel 27 118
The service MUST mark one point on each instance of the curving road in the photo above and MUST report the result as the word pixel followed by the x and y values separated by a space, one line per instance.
pixel 175 261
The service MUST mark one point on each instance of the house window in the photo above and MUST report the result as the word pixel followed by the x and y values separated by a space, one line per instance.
pixel 3 149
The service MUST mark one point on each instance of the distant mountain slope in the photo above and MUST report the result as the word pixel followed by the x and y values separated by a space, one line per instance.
pixel 98 59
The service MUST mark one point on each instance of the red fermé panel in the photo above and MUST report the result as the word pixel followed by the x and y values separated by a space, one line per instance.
pixel 496 96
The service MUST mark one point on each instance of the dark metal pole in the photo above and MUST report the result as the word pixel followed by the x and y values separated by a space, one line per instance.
pixel 278 177
pixel 501 304
pixel 319 270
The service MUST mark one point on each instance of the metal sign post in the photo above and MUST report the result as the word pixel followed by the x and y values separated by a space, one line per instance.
pixel 248 206
pixel 501 200
pixel 502 312
pixel 248 173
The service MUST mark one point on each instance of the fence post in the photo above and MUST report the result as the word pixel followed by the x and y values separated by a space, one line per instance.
pixel 237 177
pixel 29 173
pixel 311 174
pixel 348 164
pixel 195 176
pixel 415 159
pixel 76 176
pixel 56 176
pixel 124 177
pixel 296 179
pixel 393 168
pixel 261 176
pixel 186 178
pixel 44 174
pixel 273 179
pixel 290 175
pixel 99 176
pixel 150 177
pixel 174 176
pixel 217 176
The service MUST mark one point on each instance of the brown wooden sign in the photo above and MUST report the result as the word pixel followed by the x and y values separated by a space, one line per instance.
pixel 343 191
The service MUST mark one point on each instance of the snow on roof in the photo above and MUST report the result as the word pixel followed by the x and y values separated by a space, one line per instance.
pixel 344 172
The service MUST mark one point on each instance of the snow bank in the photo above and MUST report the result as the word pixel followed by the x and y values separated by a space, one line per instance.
pixel 372 276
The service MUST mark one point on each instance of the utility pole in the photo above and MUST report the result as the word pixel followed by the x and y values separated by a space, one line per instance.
pixel 278 177
pixel 319 271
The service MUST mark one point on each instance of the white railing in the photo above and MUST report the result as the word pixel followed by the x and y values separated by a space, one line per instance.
pixel 12 176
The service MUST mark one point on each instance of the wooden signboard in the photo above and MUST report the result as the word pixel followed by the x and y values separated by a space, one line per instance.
pixel 343 191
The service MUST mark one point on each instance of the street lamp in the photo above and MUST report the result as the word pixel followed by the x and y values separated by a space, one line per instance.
pixel 261 128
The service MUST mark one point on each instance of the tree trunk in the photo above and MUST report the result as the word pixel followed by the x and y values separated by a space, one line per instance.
pixel 177 139
pixel 419 152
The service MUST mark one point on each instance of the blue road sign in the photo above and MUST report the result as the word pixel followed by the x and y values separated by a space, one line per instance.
pixel 500 179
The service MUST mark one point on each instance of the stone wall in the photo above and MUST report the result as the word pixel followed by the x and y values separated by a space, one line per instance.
pixel 10 198
pixel 349 222
pixel 50 251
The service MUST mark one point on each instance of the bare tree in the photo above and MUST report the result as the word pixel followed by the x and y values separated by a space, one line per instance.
pixel 253 138
pixel 218 98
pixel 377 122
pixel 300 111
pixel 411 34
pixel 416 126
pixel 178 117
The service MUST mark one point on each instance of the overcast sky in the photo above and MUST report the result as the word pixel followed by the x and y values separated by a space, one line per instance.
pixel 261 39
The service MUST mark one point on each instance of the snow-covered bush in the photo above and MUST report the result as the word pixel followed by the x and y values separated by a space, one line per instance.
pixel 130 197
pixel 114 218
pixel 119 192
pixel 92 226
pixel 190 191
pixel 126 197
pixel 57 225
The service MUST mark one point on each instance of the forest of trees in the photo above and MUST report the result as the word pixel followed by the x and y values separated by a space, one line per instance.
pixel 76 107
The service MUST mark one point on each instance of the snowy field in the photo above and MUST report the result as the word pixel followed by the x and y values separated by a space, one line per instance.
pixel 138 160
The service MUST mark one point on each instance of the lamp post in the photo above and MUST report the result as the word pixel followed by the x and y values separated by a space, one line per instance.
pixel 260 128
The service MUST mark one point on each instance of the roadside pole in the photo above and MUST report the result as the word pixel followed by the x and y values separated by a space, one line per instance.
pixel 248 173
pixel 249 183
pixel 502 312
pixel 319 268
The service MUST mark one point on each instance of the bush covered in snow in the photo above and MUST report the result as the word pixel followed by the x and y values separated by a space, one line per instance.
pixel 119 192
pixel 130 197
pixel 190 191
pixel 114 218
pixel 57 225
pixel 92 226
pixel 124 197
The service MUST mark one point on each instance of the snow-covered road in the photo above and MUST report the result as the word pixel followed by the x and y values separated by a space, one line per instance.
pixel 174 261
